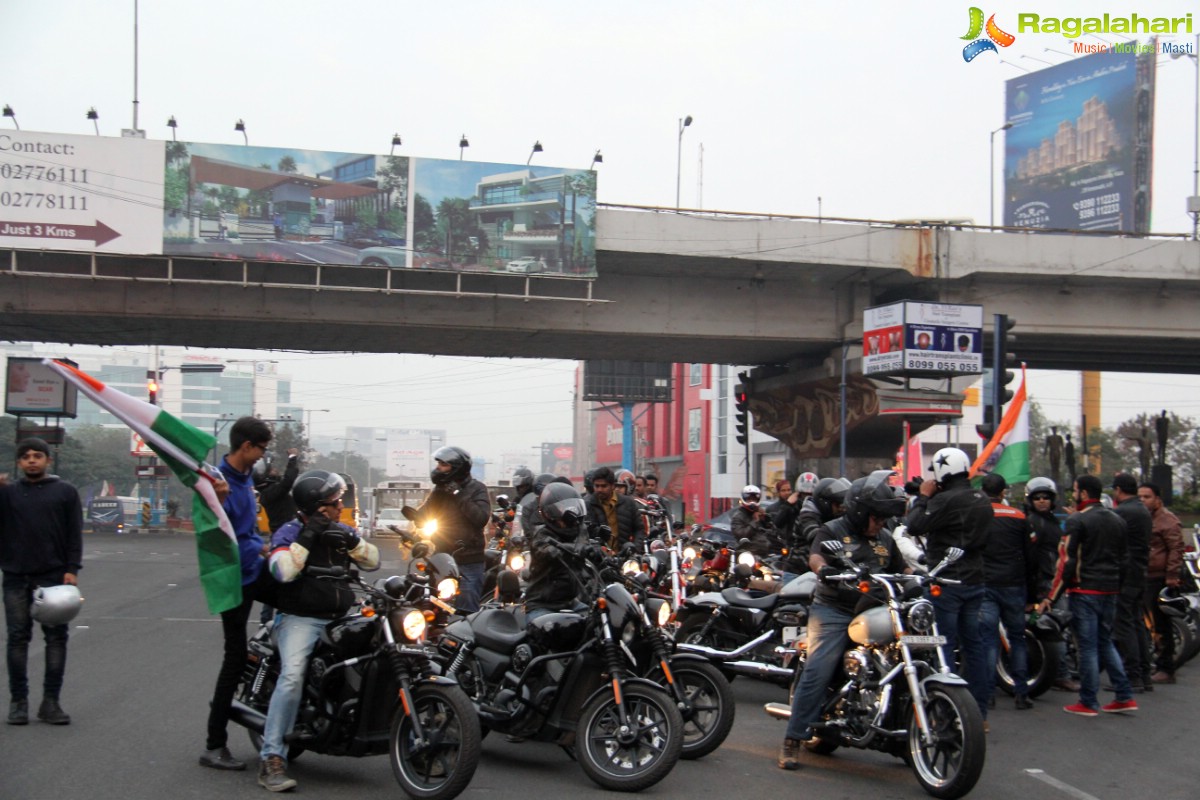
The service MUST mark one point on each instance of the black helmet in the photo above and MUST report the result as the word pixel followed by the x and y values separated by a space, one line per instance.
pixel 460 465
pixel 1172 602
pixel 587 481
pixel 542 481
pixel 561 505
pixel 872 496
pixel 828 492
pixel 522 480
pixel 316 488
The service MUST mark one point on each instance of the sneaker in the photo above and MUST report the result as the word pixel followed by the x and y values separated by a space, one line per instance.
pixel 1081 710
pixel 18 712
pixel 51 712
pixel 1162 677
pixel 789 754
pixel 1022 703
pixel 220 758
pixel 272 775
pixel 1119 706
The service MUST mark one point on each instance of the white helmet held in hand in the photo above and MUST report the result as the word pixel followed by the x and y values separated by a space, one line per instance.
pixel 55 605
pixel 806 482
pixel 947 462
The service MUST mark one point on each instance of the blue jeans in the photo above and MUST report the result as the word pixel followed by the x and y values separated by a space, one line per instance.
pixel 1005 604
pixel 470 587
pixel 827 642
pixel 957 614
pixel 296 637
pixel 1091 621
pixel 18 594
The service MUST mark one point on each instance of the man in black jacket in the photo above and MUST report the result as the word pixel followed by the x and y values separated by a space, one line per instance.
pixel 949 513
pixel 1041 497
pixel 41 544
pixel 750 521
pixel 1091 557
pixel 462 508
pixel 1129 630
pixel 557 545
pixel 275 493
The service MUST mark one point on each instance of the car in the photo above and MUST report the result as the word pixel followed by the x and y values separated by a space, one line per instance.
pixel 526 265
pixel 388 517
pixel 361 237
pixel 383 256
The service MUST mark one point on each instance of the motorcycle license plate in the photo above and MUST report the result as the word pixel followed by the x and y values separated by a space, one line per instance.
pixel 923 641
pixel 790 634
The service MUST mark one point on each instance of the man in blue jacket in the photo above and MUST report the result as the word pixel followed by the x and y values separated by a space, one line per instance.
pixel 248 440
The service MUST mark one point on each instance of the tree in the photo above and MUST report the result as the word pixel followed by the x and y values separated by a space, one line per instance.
pixel 288 164
pixel 453 226
pixel 424 224
pixel 289 436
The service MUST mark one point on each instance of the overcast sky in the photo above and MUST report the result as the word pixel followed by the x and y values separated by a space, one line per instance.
pixel 866 105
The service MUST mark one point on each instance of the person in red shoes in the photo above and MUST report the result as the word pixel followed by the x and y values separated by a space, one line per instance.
pixel 1091 557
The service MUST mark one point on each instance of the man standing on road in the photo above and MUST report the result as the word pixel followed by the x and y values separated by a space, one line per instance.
pixel 1165 561
pixel 606 506
pixel 41 544
pixel 1091 555
pixel 249 438
pixel 1129 629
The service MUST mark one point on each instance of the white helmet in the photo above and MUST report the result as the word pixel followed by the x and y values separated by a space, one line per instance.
pixel 949 461
pixel 806 482
pixel 55 605
pixel 751 493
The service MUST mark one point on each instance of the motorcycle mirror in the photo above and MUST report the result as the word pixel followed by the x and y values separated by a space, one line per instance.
pixel 517 540
pixel 409 513
pixel 502 500
pixel 677 525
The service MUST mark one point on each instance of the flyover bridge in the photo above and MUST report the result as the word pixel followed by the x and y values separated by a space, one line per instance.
pixel 686 286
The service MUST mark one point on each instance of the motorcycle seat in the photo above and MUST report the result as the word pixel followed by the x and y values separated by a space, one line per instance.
pixel 800 589
pixel 497 630
pixel 740 597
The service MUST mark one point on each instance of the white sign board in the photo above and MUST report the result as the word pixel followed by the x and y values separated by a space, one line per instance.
pixel 408 456
pixel 93 194
pixel 923 338
pixel 31 387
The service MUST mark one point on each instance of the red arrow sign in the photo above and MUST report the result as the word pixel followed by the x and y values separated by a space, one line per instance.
pixel 98 233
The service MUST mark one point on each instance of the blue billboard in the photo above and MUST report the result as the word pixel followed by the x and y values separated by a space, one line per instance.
pixel 1078 155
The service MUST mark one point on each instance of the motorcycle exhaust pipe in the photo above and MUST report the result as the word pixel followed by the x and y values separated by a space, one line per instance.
pixel 756 669
pixel 778 710
pixel 709 652
pixel 247 717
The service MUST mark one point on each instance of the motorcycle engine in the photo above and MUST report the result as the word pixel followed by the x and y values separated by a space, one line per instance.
pixel 521 657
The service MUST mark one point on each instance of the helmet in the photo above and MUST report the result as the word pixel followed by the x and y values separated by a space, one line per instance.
pixel 561 504
pixel 806 482
pixel 828 492
pixel 949 461
pixel 872 496
pixel 522 480
pixel 316 488
pixel 1172 602
pixel 460 465
pixel 1106 500
pixel 587 480
pixel 628 479
pixel 542 481
pixel 751 493
pixel 1041 486
pixel 55 605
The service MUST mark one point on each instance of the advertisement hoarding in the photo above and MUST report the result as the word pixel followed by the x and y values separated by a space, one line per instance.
pixel 32 388
pixel 1078 155
pixel 909 338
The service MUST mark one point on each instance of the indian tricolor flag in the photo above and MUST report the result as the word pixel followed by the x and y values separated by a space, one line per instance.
pixel 183 448
pixel 1007 454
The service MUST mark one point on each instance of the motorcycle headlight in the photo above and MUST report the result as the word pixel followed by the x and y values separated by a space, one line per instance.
pixel 447 588
pixel 659 611
pixel 629 632
pixel 517 563
pixel 413 625
pixel 631 567
pixel 921 617
pixel 747 559
pixel 689 553
pixel 429 528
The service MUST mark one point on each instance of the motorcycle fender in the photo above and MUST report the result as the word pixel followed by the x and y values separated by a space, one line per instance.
pixel 707 599
pixel 440 680
pixel 949 680
pixel 629 681
pixel 676 658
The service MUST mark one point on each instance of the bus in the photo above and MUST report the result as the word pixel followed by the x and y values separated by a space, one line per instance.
pixel 114 514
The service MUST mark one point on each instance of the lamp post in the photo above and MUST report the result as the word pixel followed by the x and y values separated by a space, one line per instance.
pixel 8 112
pixel 94 116
pixel 395 143
pixel 345 449
pixel 172 124
pixel 683 123
pixel 596 159
pixel 463 144
pixel 240 127
pixel 537 148
pixel 992 174
pixel 1193 202
pixel 308 418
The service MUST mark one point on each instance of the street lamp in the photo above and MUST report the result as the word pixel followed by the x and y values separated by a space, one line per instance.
pixel 8 112
pixel 537 148
pixel 395 143
pixel 241 127
pixel 172 124
pixel 463 144
pixel 683 123
pixel 308 417
pixel 992 173
pixel 596 159
pixel 94 116
pixel 1193 202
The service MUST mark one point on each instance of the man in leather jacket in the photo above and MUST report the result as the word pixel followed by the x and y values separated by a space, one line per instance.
pixel 1129 629
pixel 556 547
pixel 750 521
pixel 462 508
pixel 607 506
pixel 306 602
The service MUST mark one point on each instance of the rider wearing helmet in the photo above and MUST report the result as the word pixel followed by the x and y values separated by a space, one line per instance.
pixel 1041 496
pixel 306 602
pixel 555 547
pixel 862 531
pixel 462 508
pixel 522 481
pixel 528 518
pixel 41 544
pixel 1162 574
pixel 948 512
pixel 750 521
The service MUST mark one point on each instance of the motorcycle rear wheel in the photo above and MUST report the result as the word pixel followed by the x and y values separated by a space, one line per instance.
pixel 719 637
pixel 951 766
pixel 1042 667
pixel 712 703
pixel 629 766
pixel 442 768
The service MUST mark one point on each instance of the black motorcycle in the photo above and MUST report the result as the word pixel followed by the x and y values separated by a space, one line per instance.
pixel 1042 633
pixel 372 689
pixel 570 678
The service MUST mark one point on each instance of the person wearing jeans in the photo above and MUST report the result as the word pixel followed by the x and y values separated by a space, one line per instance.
pixel 1092 618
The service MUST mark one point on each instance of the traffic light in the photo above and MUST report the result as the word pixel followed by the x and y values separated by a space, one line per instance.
pixel 152 386
pixel 988 429
pixel 1004 359
pixel 741 401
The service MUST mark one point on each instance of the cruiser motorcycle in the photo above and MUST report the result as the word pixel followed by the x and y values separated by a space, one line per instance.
pixel 371 689
pixel 897 694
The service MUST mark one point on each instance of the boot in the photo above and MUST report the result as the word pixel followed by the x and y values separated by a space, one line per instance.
pixel 18 712
pixel 51 712
pixel 272 775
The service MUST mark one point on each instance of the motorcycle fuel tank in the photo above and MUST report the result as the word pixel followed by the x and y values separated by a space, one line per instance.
pixel 350 636
pixel 872 627
pixel 554 633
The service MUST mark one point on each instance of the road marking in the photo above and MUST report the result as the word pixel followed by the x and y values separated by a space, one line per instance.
pixel 1057 784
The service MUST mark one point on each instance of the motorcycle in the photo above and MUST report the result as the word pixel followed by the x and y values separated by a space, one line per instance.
pixel 371 689
pixel 1041 632
pixel 570 678
pixel 894 701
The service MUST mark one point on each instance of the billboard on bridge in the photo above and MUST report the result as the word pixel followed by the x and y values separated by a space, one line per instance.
pixel 1078 155
pixel 909 338
pixel 145 197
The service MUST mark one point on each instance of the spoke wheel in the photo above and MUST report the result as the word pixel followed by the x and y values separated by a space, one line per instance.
pixel 710 710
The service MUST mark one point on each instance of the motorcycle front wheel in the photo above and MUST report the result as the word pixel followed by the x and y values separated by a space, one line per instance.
pixel 442 766
pixel 629 759
pixel 950 765
pixel 711 706
pixel 1042 666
